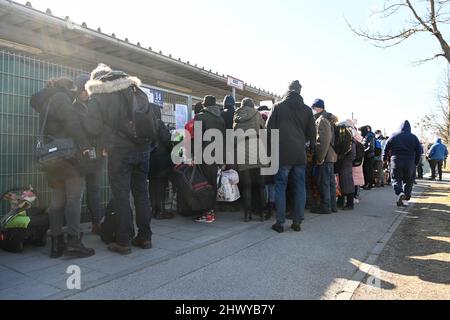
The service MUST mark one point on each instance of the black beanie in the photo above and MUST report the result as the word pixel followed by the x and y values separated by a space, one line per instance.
pixel 295 86
pixel 209 101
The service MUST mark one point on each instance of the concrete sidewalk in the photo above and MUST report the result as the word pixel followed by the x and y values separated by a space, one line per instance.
pixel 229 259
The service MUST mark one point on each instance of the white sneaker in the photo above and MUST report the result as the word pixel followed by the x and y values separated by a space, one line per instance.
pixel 356 200
pixel 400 200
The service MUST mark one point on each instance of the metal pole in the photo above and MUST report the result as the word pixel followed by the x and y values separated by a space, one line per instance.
pixel 234 93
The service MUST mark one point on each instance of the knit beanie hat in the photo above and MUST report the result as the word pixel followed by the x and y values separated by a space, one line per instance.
pixel 318 103
pixel 209 101
pixel 295 86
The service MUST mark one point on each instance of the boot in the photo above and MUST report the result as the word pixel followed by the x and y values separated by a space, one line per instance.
pixel 247 216
pixel 58 246
pixel 76 249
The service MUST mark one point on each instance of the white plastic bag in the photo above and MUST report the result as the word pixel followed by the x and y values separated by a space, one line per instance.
pixel 227 192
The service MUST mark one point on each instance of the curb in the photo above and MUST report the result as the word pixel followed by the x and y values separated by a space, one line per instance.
pixel 366 267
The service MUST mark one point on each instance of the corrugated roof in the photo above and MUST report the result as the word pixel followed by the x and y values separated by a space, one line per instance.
pixel 49 37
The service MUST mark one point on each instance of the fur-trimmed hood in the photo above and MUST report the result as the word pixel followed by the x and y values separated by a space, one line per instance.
pixel 97 86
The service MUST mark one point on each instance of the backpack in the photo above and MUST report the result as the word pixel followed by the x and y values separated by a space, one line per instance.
pixel 378 148
pixel 359 154
pixel 342 141
pixel 141 126
pixel 193 187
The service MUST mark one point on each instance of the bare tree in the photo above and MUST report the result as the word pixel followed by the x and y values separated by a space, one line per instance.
pixel 425 16
pixel 437 122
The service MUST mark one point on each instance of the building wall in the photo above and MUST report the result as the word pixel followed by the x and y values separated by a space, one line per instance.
pixel 20 78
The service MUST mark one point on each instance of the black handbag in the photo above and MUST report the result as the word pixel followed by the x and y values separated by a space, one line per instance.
pixel 54 152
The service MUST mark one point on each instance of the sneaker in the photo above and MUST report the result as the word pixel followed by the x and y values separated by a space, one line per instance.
pixel 123 250
pixel 207 218
pixel 356 200
pixel 278 228
pixel 143 244
pixel 400 200
pixel 296 227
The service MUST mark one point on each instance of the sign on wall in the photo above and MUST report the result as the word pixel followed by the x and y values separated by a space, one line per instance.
pixel 235 83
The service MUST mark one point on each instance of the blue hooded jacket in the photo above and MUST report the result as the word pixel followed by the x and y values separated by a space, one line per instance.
pixel 403 146
pixel 438 151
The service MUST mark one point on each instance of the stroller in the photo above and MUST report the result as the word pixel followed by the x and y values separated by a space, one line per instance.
pixel 24 223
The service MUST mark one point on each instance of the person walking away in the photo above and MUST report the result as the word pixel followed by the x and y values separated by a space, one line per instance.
pixel 405 150
pixel 369 149
pixel 114 95
pixel 59 120
pixel 295 123
pixel 421 163
pixel 210 117
pixel 92 166
pixel 378 159
pixel 325 158
pixel 437 155
pixel 344 168
pixel 247 118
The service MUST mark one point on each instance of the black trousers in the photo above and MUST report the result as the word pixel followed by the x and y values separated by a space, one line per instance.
pixel 252 185
pixel 439 164
pixel 368 171
pixel 158 187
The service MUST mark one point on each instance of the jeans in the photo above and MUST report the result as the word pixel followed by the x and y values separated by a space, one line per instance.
pixel 270 192
pixel 281 181
pixel 327 186
pixel 66 202
pixel 128 171
pixel 403 176
pixel 93 181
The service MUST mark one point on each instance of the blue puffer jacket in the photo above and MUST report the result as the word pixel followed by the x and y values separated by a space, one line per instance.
pixel 403 145
pixel 438 151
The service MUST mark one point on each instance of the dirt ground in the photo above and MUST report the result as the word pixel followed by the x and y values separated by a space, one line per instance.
pixel 415 263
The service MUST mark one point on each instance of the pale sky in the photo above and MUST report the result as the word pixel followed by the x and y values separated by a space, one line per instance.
pixel 268 43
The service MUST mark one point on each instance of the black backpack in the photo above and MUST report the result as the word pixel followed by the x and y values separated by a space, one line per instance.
pixel 141 126
pixel 193 187
pixel 342 141
pixel 359 154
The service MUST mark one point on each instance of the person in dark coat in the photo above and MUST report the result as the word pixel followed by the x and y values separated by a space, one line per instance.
pixel 228 111
pixel 90 167
pixel 295 123
pixel 344 168
pixel 160 168
pixel 64 180
pixel 252 182
pixel 111 94
pixel 369 155
pixel 405 151
pixel 210 118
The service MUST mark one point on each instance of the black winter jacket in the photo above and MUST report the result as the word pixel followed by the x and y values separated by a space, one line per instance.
pixel 107 109
pixel 295 122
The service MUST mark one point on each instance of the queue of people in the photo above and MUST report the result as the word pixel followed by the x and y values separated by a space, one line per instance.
pixel 323 163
